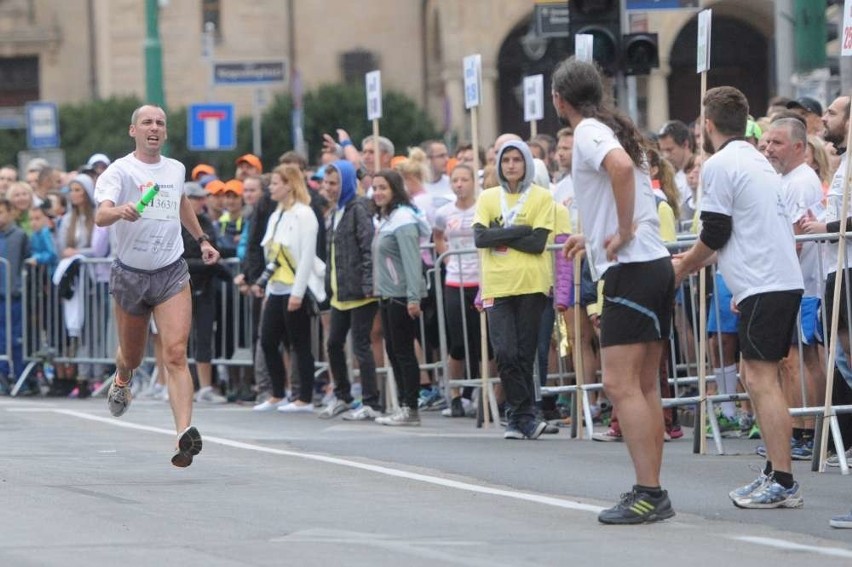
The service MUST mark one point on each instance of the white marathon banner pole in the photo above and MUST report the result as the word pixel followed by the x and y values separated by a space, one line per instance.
pixel 533 102
pixel 705 18
pixel 472 72
pixel 373 84
pixel 583 51
pixel 829 418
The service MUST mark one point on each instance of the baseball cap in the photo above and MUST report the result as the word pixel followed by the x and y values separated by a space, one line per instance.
pixel 96 159
pixel 319 174
pixel 252 160
pixel 215 186
pixel 234 186
pixel 194 190
pixel 202 169
pixel 807 103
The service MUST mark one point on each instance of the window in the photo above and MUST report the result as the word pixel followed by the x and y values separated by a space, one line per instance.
pixel 355 64
pixel 18 80
pixel 210 13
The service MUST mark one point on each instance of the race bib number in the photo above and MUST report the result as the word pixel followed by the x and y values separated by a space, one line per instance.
pixel 165 206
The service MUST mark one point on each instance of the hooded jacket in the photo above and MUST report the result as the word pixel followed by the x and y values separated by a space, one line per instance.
pixel 504 232
pixel 396 255
pixel 351 240
pixel 516 237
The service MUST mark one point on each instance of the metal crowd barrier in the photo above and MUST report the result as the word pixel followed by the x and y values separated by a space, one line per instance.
pixel 683 362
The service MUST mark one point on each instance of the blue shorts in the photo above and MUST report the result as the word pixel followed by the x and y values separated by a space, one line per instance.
pixel 809 319
pixel 722 298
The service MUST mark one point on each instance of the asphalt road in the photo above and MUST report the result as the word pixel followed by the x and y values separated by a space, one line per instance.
pixel 78 487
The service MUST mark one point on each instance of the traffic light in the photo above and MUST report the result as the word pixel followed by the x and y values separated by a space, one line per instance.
pixel 602 20
pixel 640 53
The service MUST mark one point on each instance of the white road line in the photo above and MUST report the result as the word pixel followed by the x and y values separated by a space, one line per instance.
pixel 438 481
pixel 790 546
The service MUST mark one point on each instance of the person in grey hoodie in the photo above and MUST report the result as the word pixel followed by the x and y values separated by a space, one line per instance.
pixel 512 223
pixel 399 285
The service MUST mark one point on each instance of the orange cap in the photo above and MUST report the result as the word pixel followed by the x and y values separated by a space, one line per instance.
pixel 234 186
pixel 202 169
pixel 215 187
pixel 252 160
pixel 396 160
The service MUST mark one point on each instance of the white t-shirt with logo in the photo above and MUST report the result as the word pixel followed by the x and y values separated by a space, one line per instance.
pixel 802 191
pixel 154 241
pixel 760 255
pixel 833 208
pixel 441 191
pixel 593 192
pixel 457 226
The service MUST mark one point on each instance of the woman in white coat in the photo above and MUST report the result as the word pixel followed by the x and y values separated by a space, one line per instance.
pixel 290 249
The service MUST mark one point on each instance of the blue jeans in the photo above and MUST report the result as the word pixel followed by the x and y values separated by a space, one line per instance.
pixel 17 323
pixel 513 323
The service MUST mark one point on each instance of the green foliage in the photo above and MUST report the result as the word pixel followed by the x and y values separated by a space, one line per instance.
pixel 95 127
pixel 102 126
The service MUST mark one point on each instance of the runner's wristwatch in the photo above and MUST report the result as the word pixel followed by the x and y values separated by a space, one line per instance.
pixel 203 238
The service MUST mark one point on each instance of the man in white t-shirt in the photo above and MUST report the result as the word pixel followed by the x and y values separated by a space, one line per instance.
pixel 622 242
pixel 438 184
pixel 149 276
pixel 786 143
pixel 677 146
pixel 745 223
pixel 836 121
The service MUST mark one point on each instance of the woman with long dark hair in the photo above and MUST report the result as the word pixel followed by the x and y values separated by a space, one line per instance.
pixel 399 284
pixel 622 242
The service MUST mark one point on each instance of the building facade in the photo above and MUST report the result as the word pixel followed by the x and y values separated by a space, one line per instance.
pixel 78 50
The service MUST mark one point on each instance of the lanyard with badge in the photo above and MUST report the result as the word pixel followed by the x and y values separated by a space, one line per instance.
pixel 509 216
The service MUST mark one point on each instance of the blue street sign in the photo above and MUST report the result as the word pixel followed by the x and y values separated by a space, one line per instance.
pixel 211 127
pixel 660 4
pixel 42 125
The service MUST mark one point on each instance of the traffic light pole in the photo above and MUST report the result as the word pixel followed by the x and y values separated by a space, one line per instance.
pixel 625 95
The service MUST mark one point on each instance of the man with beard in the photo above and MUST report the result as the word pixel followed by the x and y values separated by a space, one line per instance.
pixel 745 224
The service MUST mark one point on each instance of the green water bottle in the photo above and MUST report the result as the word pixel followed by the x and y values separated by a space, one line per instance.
pixel 147 197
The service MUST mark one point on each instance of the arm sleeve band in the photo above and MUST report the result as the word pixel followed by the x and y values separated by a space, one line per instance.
pixel 535 243
pixel 715 229
pixel 491 237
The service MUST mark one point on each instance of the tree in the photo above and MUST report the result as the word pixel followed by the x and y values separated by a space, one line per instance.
pixel 345 106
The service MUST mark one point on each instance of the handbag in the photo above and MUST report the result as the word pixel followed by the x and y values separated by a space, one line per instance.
pixel 309 301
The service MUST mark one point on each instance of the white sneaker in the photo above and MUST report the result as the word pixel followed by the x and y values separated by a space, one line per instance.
pixel 834 460
pixel 335 407
pixel 404 417
pixel 207 394
pixel 294 407
pixel 268 405
pixel 364 413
